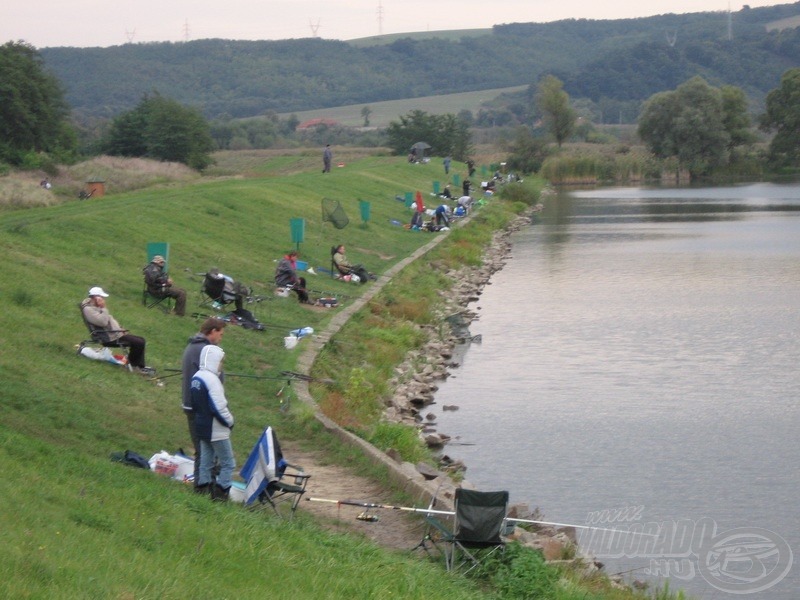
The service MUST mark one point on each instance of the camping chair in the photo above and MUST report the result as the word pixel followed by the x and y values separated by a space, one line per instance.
pixel 270 479
pixel 212 291
pixel 150 300
pixel 477 525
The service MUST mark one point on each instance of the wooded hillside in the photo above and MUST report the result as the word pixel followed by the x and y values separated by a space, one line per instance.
pixel 622 60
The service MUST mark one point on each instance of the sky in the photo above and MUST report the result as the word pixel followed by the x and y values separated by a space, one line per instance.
pixel 92 23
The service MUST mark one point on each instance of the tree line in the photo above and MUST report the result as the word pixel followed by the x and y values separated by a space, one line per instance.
pixel 699 125
pixel 616 61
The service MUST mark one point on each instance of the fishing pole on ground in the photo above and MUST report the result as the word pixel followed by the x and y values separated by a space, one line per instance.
pixel 431 511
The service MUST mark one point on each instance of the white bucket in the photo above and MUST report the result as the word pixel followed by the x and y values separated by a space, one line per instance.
pixel 236 494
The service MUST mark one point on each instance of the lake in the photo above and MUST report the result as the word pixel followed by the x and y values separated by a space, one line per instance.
pixel 638 370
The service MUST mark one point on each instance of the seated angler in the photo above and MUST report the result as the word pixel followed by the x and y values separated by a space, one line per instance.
pixel 344 267
pixel 230 290
pixel 160 285
pixel 106 329
pixel 286 277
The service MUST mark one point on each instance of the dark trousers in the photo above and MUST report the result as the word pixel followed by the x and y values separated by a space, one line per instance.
pixel 180 299
pixel 178 294
pixel 135 349
pixel 300 289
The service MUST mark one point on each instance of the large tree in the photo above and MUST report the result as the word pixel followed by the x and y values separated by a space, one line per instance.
pixel 33 113
pixel 552 104
pixel 446 134
pixel 783 117
pixel 696 123
pixel 162 129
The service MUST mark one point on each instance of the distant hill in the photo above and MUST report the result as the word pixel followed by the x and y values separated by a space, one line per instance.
pixel 382 113
pixel 622 60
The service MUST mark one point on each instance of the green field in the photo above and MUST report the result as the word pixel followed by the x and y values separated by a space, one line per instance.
pixel 445 34
pixel 385 112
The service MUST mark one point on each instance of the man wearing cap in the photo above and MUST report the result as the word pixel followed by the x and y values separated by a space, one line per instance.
pixel 159 284
pixel 107 329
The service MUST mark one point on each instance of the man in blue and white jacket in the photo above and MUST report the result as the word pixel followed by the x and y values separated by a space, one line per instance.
pixel 213 423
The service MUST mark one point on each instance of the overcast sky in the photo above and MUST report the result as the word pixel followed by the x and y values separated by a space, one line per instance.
pixel 86 23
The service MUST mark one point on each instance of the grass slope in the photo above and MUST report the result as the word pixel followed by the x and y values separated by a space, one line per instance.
pixel 385 112
pixel 76 525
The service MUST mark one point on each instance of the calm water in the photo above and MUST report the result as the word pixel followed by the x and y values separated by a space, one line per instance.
pixel 640 350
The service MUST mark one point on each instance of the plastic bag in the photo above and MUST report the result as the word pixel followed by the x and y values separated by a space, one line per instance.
pixel 104 354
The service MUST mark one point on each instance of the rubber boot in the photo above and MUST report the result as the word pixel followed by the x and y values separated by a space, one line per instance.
pixel 219 493
pixel 202 489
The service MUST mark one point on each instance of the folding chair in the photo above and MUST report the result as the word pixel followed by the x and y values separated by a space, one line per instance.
pixel 475 535
pixel 212 291
pixel 478 523
pixel 270 479
pixel 150 300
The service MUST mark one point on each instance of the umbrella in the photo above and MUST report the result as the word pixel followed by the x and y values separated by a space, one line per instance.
pixel 420 148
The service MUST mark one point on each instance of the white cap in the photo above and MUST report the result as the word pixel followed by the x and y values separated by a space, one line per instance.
pixel 97 291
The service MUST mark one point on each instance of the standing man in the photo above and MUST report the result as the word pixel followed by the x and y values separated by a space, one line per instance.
pixel 471 166
pixel 213 423
pixel 327 157
pixel 105 329
pixel 446 163
pixel 160 285
pixel 210 333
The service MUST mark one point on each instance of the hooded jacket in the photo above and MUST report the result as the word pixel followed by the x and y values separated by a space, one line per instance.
pixel 286 273
pixel 190 365
pixel 213 420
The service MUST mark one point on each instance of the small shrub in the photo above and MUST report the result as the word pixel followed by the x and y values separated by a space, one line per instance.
pixel 520 572
pixel 402 438
pixel 22 298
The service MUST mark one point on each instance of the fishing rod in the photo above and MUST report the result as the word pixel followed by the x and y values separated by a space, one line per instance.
pixel 284 375
pixel 430 511
pixel 514 520
pixel 198 315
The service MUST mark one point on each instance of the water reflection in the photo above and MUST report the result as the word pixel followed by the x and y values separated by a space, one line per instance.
pixel 641 348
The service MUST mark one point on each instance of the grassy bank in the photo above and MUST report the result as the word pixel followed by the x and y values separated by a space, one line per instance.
pixel 77 525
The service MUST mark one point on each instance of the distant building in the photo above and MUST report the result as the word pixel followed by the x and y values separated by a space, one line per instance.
pixel 316 123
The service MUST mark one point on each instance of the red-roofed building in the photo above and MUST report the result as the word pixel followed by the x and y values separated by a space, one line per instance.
pixel 316 123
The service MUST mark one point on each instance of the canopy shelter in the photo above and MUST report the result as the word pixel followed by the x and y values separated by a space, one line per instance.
pixel 419 149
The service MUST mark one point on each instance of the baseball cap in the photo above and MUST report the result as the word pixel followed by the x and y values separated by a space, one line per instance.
pixel 97 291
pixel 158 259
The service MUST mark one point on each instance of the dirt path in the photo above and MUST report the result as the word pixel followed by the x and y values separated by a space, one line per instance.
pixel 395 529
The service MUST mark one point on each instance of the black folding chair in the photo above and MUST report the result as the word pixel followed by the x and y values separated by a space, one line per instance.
pixel 478 523
pixel 476 532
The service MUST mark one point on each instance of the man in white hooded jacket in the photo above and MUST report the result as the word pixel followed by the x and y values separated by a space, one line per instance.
pixel 214 422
